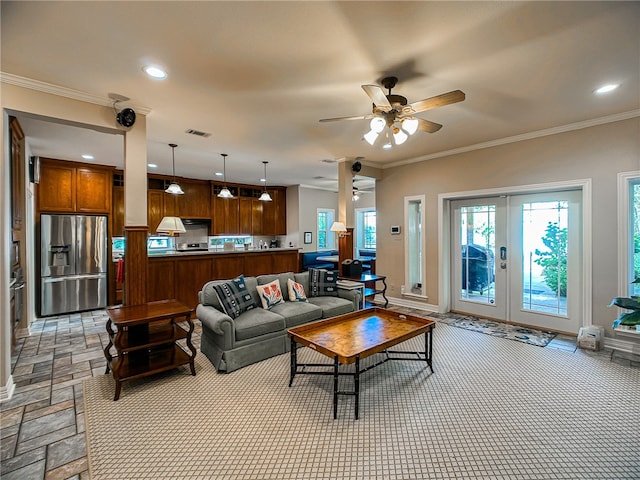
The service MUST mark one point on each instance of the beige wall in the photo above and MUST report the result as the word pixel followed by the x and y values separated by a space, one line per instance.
pixel 598 153
pixel 309 200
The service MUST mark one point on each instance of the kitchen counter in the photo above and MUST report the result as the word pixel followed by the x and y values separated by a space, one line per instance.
pixel 222 252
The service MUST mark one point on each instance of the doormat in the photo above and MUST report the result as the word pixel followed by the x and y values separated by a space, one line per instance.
pixel 498 329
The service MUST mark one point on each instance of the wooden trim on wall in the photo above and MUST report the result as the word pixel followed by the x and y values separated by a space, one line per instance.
pixel 135 265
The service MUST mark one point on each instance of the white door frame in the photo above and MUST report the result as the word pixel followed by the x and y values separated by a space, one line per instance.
pixel 444 235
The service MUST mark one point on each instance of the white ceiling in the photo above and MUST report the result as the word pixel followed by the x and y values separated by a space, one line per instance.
pixel 259 75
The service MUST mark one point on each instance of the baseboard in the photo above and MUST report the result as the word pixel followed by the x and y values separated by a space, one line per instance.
pixel 622 345
pixel 403 302
pixel 6 391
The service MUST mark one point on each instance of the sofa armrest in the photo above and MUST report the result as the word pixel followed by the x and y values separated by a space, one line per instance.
pixel 218 322
pixel 353 295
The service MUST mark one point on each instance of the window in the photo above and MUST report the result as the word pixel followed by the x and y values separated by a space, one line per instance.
pixel 326 238
pixel 366 229
pixel 634 236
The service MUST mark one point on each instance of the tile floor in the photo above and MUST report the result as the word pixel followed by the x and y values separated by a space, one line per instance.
pixel 42 425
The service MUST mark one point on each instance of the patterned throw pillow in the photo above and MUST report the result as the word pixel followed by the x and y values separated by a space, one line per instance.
pixel 270 294
pixel 234 297
pixel 296 291
pixel 322 283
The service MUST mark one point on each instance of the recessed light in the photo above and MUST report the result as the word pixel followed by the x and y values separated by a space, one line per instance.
pixel 218 174
pixel 610 87
pixel 155 72
pixel 86 156
pixel 263 180
pixel 152 165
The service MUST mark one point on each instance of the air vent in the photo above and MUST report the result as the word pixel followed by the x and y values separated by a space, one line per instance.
pixel 198 133
pixel 319 177
pixel 327 160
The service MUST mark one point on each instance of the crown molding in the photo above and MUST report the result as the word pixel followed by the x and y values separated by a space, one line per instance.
pixel 519 138
pixel 65 92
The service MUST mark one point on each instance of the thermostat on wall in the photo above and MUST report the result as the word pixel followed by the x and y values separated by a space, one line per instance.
pixel 395 230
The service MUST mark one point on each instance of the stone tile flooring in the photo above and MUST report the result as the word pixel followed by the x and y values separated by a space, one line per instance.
pixel 42 425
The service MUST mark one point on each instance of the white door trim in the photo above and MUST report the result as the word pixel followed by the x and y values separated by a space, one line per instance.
pixel 444 235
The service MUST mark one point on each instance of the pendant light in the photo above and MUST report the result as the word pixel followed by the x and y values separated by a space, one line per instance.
pixel 265 197
pixel 173 187
pixel 225 192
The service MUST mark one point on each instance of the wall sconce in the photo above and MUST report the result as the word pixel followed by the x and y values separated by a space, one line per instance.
pixel 171 225
pixel 340 229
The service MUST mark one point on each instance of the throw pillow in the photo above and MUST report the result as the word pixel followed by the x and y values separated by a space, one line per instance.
pixel 296 291
pixel 270 294
pixel 234 297
pixel 322 283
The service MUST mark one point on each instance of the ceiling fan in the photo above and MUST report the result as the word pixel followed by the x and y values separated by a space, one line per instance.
pixel 396 113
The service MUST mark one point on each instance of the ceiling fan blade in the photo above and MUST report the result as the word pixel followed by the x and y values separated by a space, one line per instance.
pixel 377 96
pixel 336 119
pixel 434 102
pixel 427 126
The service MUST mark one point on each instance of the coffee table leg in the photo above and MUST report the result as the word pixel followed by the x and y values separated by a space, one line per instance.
pixel 356 382
pixel 335 387
pixel 294 361
pixel 428 346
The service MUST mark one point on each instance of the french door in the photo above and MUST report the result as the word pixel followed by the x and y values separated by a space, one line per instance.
pixel 517 258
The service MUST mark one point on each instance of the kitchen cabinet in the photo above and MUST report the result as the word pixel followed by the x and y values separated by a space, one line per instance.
pixel 195 201
pixel 244 215
pixel 256 216
pixel 228 266
pixel 274 213
pixel 161 279
pixel 191 275
pixel 67 187
pixel 225 216
pixel 155 209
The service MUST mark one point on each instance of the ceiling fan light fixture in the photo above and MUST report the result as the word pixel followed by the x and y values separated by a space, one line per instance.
pixel 399 136
pixel 371 137
pixel 377 124
pixel 387 146
pixel 410 125
pixel 174 188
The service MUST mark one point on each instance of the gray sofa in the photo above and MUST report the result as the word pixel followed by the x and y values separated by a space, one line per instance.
pixel 258 334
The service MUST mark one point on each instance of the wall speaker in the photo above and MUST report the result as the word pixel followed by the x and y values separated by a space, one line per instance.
pixel 356 167
pixel 126 117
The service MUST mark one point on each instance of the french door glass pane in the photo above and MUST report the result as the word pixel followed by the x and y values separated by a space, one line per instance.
pixel 544 260
pixel 635 231
pixel 477 239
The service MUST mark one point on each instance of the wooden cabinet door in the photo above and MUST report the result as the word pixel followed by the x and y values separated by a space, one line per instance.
pixel 285 262
pixel 256 217
pixel 155 209
pixel 161 279
pixel 228 266
pixel 225 215
pixel 258 264
pixel 245 216
pixel 57 187
pixel 280 204
pixel 93 190
pixel 117 213
pixel 191 275
pixel 269 215
pixel 169 205
pixel 195 201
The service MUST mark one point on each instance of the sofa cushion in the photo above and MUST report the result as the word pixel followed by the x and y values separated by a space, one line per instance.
pixel 256 322
pixel 322 283
pixel 297 313
pixel 332 306
pixel 270 294
pixel 296 292
pixel 234 296
pixel 281 277
pixel 303 279
pixel 208 296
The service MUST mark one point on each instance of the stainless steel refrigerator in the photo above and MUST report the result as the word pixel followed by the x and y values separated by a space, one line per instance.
pixel 73 263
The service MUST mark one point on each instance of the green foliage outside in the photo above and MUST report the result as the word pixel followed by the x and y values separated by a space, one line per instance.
pixel 554 260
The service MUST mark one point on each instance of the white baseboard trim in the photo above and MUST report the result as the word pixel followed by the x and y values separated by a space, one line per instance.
pixel 403 302
pixel 6 391
pixel 622 345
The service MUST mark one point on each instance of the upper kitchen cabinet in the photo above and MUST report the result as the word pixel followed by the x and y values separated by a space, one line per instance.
pixel 195 201
pixel 67 187
pixel 117 218
pixel 225 213
pixel 274 213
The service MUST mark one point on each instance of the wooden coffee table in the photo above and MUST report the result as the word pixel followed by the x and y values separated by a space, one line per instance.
pixel 352 337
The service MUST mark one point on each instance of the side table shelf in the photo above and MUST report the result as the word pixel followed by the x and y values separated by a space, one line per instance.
pixel 146 339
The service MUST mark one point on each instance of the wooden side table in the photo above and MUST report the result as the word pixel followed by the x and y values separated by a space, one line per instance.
pixel 146 338
pixel 369 280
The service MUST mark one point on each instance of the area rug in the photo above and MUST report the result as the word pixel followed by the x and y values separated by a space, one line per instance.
pixel 540 338
pixel 492 409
